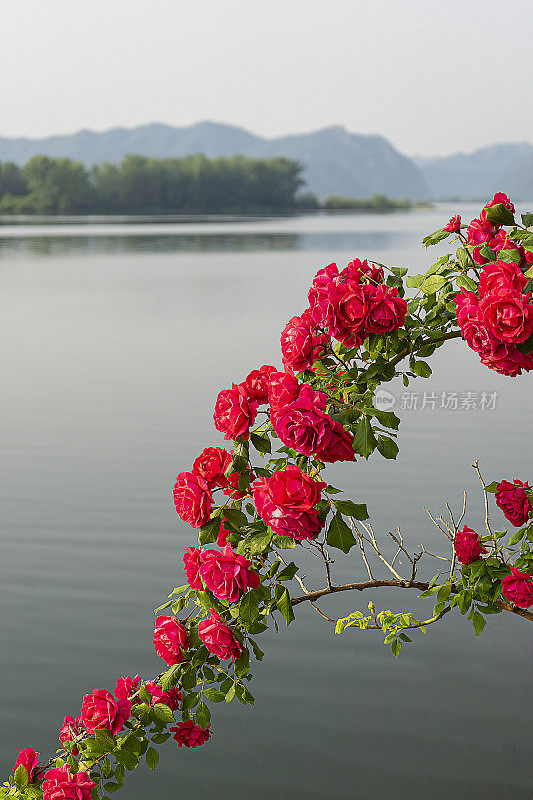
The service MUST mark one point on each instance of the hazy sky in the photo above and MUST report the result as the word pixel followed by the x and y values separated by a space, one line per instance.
pixel 433 77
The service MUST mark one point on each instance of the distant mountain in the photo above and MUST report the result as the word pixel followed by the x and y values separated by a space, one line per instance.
pixel 499 167
pixel 335 160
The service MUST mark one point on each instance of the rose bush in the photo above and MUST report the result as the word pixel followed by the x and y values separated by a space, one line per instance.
pixel 361 330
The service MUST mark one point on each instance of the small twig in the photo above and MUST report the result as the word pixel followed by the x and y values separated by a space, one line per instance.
pixel 497 551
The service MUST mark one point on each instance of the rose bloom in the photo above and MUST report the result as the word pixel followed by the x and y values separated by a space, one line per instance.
pixel 508 315
pixel 170 639
pixel 346 311
pixel 190 734
pixel 479 231
pixel 101 710
pixel 300 346
pixel 126 687
pixel 218 638
pixel 512 499
pixel 339 447
pixel 501 275
pixel 283 389
pixel 363 271
pixel 192 560
pixel 60 784
pixel 29 760
pixel 454 224
pixel 192 499
pixel 318 296
pixel 508 360
pixel 71 728
pixel 467 546
pixel 499 198
pixel 292 488
pixel 256 383
pixel 297 525
pixel 226 574
pixel 302 424
pixel 170 697
pixel 518 588
pixel 222 538
pixel 386 309
pixel 211 465
pixel 234 412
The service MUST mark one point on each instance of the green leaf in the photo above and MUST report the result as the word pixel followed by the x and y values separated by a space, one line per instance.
pixel 421 369
pixel 287 573
pixel 105 738
pixel 396 648
pixel 152 758
pixel 258 653
pixel 215 695
pixel 162 713
pixel 527 219
pixel 170 677
pixel 364 441
pixel 209 533
pixel 283 542
pixel 350 509
pixel 387 418
pixel 242 664
pixel 516 537
pixel 261 443
pixel 126 758
pixel 414 281
pixel 191 700
pixel 249 606
pixel 111 787
pixel 230 694
pixel 432 284
pixel 499 215
pixel 283 602
pixel 21 777
pixel 467 283
pixel 203 715
pixel 478 622
pixel 340 535
pixel 491 487
pixel 387 447
pixel 435 237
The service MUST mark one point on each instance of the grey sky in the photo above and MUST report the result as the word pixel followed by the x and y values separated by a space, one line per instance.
pixel 433 77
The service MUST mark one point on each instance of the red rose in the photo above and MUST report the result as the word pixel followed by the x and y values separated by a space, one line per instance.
pixel 467 545
pixel 479 231
pixel 170 697
pixel 170 640
pixel 211 465
pixel 512 499
pixel 386 309
pixel 292 488
pixel 71 728
pixel 454 224
pixel 222 538
pixel 501 275
pixel 192 499
pixel 192 560
pixel 302 425
pixel 256 383
pixel 499 198
pixel 190 734
pixel 101 710
pixel 346 311
pixel 29 759
pixel 226 574
pixel 518 588
pixel 60 784
pixel 508 315
pixel 318 296
pixel 126 687
pixel 298 525
pixel 300 346
pixel 508 360
pixel 363 271
pixel 339 447
pixel 235 412
pixel 283 389
pixel 218 638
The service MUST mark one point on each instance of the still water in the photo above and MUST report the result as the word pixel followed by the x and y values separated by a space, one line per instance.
pixel 116 341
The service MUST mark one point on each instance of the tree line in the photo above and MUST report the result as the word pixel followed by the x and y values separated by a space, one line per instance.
pixel 141 185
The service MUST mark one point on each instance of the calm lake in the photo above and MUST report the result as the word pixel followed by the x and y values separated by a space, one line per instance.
pixel 116 340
